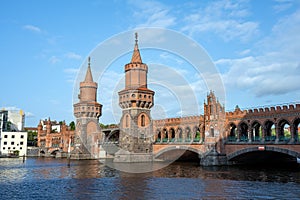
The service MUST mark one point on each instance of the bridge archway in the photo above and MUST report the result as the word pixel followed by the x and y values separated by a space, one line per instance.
pixel 243 130
pixel 284 129
pixel 295 129
pixel 54 152
pixel 158 135
pixel 188 135
pixel 270 130
pixel 256 131
pixel 113 136
pixel 173 153
pixel 232 128
pixel 171 135
pixel 268 155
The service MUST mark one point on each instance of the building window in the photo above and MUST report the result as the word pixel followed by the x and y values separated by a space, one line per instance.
pixel 22 136
pixel 21 143
pixel 143 120
pixel 5 136
pixel 12 143
pixel 14 147
pixel 20 148
pixel 8 148
pixel 12 136
pixel 5 143
pixel 3 148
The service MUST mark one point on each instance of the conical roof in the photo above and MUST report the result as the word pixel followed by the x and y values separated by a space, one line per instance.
pixel 88 76
pixel 136 56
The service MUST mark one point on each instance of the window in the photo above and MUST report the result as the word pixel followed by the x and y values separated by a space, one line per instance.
pixel 143 120
pixel 5 143
pixel 8 148
pixel 5 136
pixel 12 143
pixel 22 136
pixel 20 148
pixel 12 136
pixel 3 148
pixel 126 121
pixel 14 147
pixel 21 143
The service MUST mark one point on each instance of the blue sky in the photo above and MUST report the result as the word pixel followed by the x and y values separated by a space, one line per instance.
pixel 255 46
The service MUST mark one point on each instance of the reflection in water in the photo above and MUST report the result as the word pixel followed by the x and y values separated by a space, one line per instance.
pixel 44 178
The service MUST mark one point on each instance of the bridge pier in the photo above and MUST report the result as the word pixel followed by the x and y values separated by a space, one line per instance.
pixel 213 158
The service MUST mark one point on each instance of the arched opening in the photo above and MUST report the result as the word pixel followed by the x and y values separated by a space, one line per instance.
pixel 296 129
pixel 179 155
pixel 113 136
pixel 256 131
pixel 267 157
pixel 126 121
pixel 172 135
pixel 53 153
pixel 270 132
pixel 142 120
pixel 188 134
pixel 196 134
pixel 284 133
pixel 180 135
pixel 243 131
pixel 232 135
pixel 158 134
pixel 165 135
pixel 42 153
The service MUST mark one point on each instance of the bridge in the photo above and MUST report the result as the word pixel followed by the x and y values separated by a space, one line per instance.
pixel 269 134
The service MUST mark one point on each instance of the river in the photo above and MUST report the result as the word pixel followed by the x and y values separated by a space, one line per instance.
pixel 48 178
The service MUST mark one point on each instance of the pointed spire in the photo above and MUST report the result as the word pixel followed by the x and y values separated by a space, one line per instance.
pixel 88 76
pixel 136 57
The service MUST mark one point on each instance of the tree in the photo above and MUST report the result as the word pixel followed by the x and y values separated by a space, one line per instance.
pixel 72 126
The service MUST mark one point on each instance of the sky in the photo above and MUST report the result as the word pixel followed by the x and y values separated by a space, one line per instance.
pixel 44 45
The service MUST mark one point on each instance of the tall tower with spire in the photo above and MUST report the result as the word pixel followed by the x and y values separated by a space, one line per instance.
pixel 87 112
pixel 136 101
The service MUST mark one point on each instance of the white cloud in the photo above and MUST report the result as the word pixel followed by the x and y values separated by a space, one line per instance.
pixel 152 14
pixel 277 70
pixel 54 59
pixel 72 55
pixel 15 108
pixel 223 18
pixel 29 115
pixel 71 74
pixel 32 28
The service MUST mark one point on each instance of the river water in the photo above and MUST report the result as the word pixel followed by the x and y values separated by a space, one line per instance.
pixel 48 178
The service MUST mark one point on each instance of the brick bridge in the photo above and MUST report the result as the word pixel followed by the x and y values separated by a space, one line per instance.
pixel 261 134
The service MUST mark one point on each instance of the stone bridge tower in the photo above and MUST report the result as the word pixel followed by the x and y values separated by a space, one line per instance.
pixel 136 101
pixel 87 112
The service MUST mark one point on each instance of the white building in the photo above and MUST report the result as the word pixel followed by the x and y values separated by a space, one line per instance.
pixel 13 141
pixel 17 120
pixel 55 126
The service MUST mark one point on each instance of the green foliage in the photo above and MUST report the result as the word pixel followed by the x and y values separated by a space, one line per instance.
pixel 105 126
pixel 72 126
pixel 32 138
pixel 16 153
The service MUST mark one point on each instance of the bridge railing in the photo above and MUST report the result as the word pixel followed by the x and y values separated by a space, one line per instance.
pixel 178 140
pixel 266 139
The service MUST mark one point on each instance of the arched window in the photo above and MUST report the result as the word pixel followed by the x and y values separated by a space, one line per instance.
pixel 126 121
pixel 143 120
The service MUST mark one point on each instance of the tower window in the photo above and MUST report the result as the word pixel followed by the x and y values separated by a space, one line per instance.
pixel 143 120
pixel 126 121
